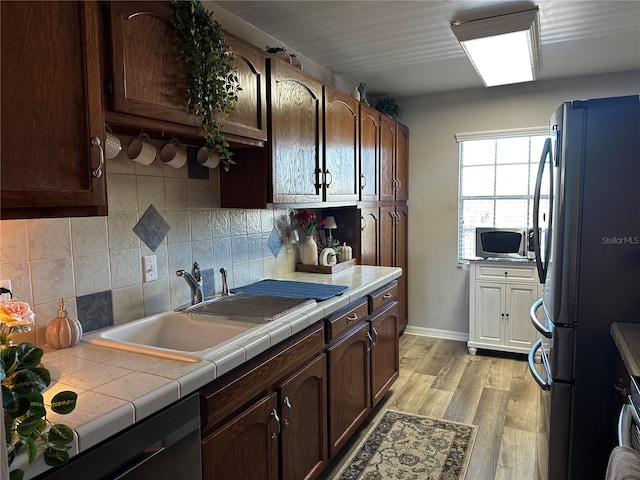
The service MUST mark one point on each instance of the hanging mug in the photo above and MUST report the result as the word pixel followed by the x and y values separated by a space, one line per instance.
pixel 208 158
pixel 140 150
pixel 173 154
pixel 112 144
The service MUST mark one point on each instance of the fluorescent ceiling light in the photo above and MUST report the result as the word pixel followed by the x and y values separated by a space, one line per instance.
pixel 503 49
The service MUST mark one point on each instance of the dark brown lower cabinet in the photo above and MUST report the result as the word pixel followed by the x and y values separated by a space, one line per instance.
pixel 268 420
pixel 246 446
pixel 284 414
pixel 349 386
pixel 303 415
pixel 385 354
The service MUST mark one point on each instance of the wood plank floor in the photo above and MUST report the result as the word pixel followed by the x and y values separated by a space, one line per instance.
pixel 439 379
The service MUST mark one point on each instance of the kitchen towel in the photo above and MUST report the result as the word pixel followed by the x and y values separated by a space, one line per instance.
pixel 291 289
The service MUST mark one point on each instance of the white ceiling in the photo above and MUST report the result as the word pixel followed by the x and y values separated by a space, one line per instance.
pixel 406 48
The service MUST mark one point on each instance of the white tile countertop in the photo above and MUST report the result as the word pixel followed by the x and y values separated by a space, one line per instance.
pixel 117 388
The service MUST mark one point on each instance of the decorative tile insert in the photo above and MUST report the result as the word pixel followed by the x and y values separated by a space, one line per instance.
pixel 95 311
pixel 208 281
pixel 151 228
pixel 274 243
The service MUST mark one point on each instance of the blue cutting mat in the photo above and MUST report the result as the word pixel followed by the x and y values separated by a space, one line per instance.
pixel 291 289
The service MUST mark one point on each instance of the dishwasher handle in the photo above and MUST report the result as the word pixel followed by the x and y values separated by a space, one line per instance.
pixel 544 384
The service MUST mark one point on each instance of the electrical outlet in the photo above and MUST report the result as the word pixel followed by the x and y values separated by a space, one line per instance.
pixel 149 268
pixel 5 297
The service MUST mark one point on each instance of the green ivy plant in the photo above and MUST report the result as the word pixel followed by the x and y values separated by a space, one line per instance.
pixel 25 414
pixel 388 106
pixel 212 82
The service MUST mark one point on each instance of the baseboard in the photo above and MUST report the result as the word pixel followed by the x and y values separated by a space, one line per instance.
pixel 434 332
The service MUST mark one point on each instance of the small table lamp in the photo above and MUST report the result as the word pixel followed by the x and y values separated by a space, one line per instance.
pixel 330 224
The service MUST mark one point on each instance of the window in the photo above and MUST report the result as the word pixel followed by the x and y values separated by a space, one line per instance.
pixel 497 180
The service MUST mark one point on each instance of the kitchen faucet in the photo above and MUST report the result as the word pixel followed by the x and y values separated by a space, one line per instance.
pixel 194 279
pixel 225 286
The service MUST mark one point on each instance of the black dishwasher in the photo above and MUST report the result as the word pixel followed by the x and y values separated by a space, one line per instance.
pixel 165 446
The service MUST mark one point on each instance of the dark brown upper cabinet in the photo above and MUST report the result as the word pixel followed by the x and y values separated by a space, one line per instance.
pixel 341 168
pixel 52 114
pixel 148 78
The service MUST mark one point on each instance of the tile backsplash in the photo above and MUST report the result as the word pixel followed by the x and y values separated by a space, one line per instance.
pixel 97 261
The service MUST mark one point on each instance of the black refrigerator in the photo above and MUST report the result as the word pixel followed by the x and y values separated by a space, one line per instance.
pixel 587 244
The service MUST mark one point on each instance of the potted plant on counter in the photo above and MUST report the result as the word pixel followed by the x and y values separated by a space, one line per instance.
pixel 24 379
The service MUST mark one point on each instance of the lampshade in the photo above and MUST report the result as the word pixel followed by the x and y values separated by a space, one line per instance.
pixel 503 49
pixel 330 223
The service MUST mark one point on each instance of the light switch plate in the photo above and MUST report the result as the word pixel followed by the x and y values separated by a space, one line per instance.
pixel 149 268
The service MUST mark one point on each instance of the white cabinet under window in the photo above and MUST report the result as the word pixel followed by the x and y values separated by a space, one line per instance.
pixel 501 295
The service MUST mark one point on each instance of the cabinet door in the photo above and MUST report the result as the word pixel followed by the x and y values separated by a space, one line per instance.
pixel 303 406
pixel 519 330
pixel 51 109
pixel 401 174
pixel 369 236
pixel 349 386
pixel 387 158
pixel 402 260
pixel 296 135
pixel 249 119
pixel 245 447
pixel 387 236
pixel 385 355
pixel 489 313
pixel 148 77
pixel 341 164
pixel 369 153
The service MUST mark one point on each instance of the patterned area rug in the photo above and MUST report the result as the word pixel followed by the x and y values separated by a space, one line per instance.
pixel 406 446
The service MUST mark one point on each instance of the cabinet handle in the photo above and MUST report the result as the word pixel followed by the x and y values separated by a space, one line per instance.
pixel 370 346
pixel 399 184
pixel 377 337
pixel 387 296
pixel 95 141
pixel 319 182
pixel 287 404
pixel 363 223
pixel 328 174
pixel 363 182
pixel 352 318
pixel 275 434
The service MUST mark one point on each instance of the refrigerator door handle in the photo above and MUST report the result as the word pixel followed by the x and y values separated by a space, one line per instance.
pixel 544 384
pixel 547 332
pixel 540 265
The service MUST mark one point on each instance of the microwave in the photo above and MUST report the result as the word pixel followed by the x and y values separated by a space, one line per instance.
pixel 495 242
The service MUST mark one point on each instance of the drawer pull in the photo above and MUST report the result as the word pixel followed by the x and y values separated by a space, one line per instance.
pixel 352 318
pixel 387 296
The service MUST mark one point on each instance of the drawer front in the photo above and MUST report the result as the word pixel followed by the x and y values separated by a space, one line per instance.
pixel 506 273
pixel 343 320
pixel 225 396
pixel 383 296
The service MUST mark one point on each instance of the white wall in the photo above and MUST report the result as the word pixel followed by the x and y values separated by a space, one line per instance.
pixel 438 288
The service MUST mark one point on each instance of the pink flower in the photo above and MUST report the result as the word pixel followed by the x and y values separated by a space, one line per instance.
pixel 16 313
